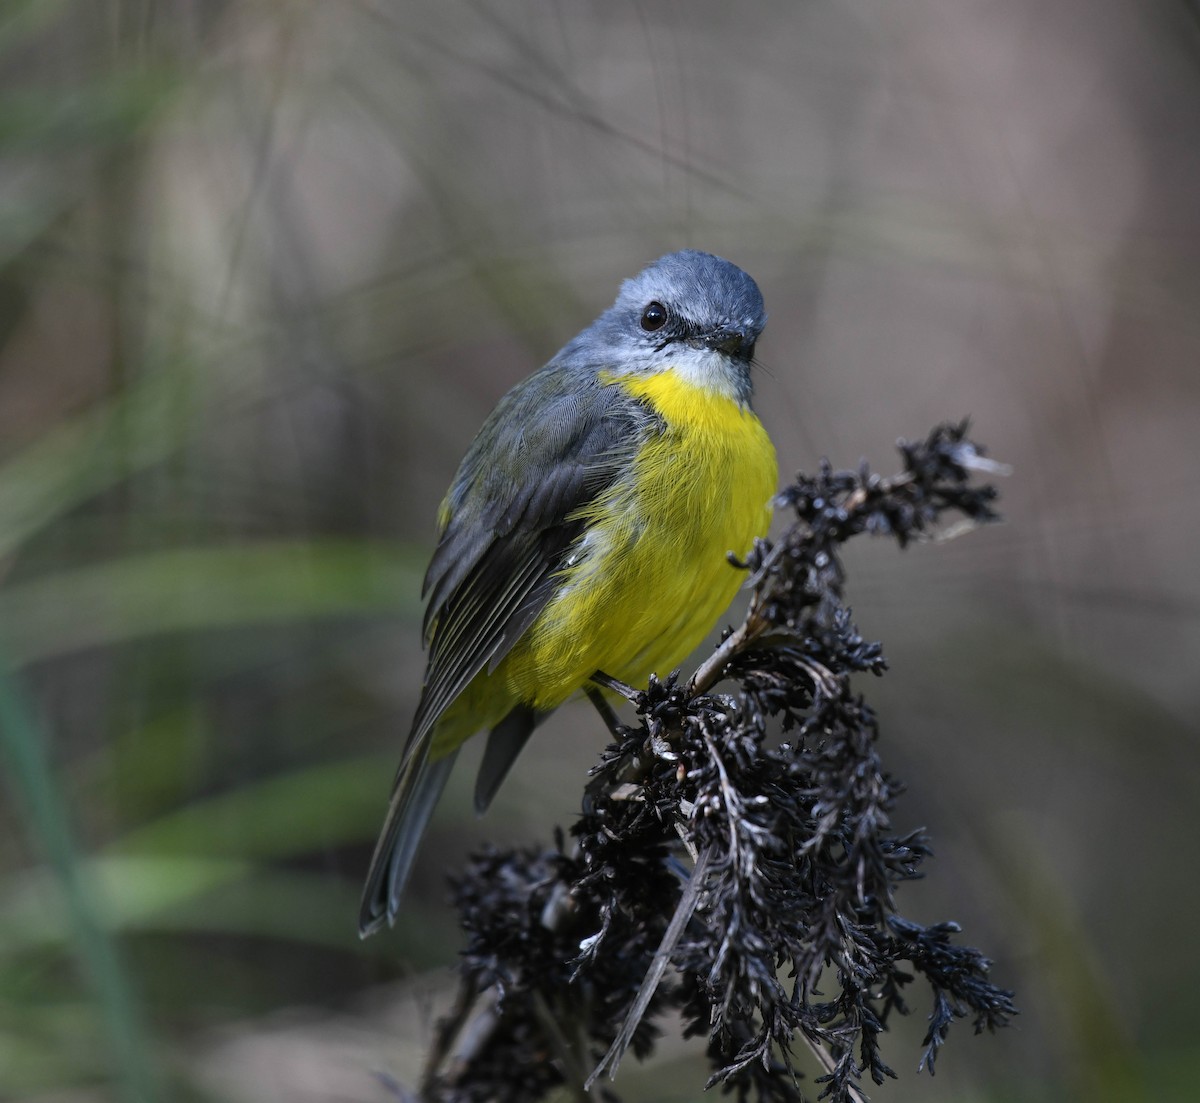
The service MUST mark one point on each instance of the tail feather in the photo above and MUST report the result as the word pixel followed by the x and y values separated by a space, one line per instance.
pixel 505 741
pixel 418 787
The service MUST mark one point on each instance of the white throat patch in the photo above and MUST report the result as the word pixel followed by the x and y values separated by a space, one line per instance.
pixel 708 369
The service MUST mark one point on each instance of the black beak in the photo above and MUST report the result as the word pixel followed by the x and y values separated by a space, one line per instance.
pixel 732 342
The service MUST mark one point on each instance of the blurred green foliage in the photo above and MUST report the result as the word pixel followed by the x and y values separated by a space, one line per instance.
pixel 133 597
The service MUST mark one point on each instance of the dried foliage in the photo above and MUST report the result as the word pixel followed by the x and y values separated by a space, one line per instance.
pixel 735 860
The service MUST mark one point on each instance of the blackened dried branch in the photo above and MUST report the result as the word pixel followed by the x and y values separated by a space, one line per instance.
pixel 763 872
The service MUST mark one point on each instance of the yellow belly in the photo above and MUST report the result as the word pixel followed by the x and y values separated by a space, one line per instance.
pixel 650 578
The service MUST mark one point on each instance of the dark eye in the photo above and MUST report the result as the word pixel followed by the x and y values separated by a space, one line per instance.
pixel 654 317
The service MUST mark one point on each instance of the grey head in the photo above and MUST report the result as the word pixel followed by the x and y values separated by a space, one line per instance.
pixel 688 312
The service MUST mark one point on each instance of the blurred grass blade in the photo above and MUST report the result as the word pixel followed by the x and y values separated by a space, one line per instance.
pixel 46 124
pixel 103 112
pixel 88 454
pixel 189 895
pixel 23 19
pixel 1106 1066
pixel 297 813
pixel 135 890
pixel 23 745
pixel 186 895
pixel 190 589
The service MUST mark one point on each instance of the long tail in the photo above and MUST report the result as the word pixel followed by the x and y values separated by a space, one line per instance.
pixel 418 787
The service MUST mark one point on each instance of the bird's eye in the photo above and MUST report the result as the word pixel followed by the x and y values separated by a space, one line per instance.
pixel 654 317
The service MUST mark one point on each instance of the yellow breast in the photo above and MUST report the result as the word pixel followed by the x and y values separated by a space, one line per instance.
pixel 650 577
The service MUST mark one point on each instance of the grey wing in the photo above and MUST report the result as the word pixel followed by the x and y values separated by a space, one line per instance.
pixel 553 444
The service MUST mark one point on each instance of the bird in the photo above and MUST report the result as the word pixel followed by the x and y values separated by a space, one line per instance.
pixel 587 531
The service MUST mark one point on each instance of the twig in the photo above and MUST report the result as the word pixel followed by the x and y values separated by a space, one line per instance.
pixel 790 842
pixel 662 957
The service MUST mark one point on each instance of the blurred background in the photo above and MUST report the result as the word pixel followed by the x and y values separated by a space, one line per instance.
pixel 265 267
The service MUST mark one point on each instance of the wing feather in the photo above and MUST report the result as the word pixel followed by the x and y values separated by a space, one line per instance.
pixel 550 447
